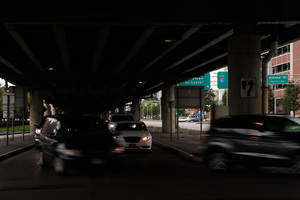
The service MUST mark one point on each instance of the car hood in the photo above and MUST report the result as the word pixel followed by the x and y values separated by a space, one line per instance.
pixel 133 133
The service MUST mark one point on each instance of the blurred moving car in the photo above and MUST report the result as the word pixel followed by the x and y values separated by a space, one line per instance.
pixel 254 141
pixel 67 142
pixel 115 118
pixel 184 119
pixel 133 135
pixel 38 128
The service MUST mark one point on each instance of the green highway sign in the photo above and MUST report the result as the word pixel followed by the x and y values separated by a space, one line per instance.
pixel 198 81
pixel 223 80
pixel 278 79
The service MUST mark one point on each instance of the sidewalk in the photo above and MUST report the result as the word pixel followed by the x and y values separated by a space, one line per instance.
pixel 16 146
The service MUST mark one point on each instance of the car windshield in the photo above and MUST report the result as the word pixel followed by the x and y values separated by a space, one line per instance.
pixel 131 127
pixel 122 118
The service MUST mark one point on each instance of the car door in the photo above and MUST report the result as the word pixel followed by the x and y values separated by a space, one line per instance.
pixel 238 136
pixel 277 142
pixel 247 136
pixel 48 137
pixel 273 145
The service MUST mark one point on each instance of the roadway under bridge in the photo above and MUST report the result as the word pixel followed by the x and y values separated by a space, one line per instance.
pixel 89 58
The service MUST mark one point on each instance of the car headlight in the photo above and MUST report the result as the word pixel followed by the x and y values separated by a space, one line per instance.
pixel 146 138
pixel 118 137
pixel 61 148
pixel 111 126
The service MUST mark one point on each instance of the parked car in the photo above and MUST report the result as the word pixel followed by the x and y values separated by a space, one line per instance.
pixel 184 119
pixel 75 141
pixel 133 135
pixel 115 118
pixel 195 119
pixel 254 141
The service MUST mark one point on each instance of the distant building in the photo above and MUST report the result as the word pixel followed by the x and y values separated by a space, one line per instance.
pixel 286 61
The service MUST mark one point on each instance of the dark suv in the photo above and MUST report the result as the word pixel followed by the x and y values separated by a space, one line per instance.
pixel 75 141
pixel 254 141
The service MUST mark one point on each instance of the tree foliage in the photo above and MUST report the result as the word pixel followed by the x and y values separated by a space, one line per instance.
pixel 224 98
pixel 290 100
pixel 209 99
pixel 149 108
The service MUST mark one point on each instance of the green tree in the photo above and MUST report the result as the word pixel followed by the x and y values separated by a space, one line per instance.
pixel 182 112
pixel 148 108
pixel 224 98
pixel 290 100
pixel 209 99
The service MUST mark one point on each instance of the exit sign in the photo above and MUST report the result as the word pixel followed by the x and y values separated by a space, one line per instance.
pixel 198 81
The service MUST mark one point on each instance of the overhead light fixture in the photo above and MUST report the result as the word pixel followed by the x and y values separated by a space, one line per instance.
pixel 169 41
pixel 50 68
pixel 140 82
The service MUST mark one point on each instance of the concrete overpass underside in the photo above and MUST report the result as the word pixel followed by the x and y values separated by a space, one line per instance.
pixel 96 57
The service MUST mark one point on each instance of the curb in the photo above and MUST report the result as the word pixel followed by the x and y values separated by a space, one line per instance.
pixel 15 152
pixel 178 152
pixel 15 133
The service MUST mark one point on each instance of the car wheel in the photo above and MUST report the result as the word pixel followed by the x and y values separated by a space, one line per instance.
pixel 295 167
pixel 42 160
pixel 59 165
pixel 218 161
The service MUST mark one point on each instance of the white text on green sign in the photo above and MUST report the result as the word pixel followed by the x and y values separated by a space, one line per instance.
pixel 278 79
pixel 198 81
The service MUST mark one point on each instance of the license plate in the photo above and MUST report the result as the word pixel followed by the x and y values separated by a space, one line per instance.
pixel 132 145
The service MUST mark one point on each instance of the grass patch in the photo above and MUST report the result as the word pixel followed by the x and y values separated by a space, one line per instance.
pixel 16 128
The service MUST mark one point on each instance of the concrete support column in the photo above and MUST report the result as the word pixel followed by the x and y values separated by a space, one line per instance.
pixel 136 109
pixel 36 108
pixel 168 110
pixel 121 109
pixel 244 63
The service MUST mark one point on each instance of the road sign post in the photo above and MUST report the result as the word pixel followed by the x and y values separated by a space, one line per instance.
pixel 8 97
pixel 8 106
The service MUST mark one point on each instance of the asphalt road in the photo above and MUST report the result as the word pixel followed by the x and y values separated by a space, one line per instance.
pixel 158 175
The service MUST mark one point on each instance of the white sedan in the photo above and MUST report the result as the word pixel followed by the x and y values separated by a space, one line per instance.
pixel 184 119
pixel 133 135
